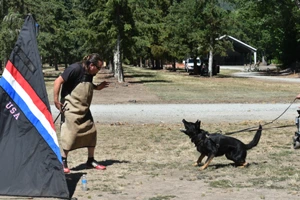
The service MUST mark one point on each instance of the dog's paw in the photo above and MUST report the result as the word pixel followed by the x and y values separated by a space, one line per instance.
pixel 202 168
pixel 196 164
pixel 244 165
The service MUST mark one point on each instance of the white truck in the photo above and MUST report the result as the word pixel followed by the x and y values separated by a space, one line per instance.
pixel 189 64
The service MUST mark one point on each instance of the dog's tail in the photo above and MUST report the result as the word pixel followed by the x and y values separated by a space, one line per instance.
pixel 256 138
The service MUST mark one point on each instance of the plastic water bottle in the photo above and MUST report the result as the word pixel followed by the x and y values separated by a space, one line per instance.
pixel 84 183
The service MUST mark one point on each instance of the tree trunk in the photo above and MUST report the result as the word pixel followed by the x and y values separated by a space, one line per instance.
pixel 118 63
pixel 55 63
pixel 159 64
pixel 264 61
pixel 110 66
pixel 50 61
pixel 121 74
pixel 66 61
pixel 141 62
pixel 210 63
pixel 5 61
pixel 174 65
pixel 210 59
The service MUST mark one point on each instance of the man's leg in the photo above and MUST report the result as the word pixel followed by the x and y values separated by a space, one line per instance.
pixel 91 152
pixel 91 162
pixel 64 155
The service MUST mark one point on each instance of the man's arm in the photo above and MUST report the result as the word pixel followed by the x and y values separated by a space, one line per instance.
pixel 56 89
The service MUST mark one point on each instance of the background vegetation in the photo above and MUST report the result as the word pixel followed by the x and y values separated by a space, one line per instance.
pixel 156 31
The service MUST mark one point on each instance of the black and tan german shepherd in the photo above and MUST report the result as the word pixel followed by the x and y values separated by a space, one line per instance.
pixel 216 144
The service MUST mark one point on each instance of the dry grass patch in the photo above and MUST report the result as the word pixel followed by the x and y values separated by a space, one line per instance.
pixel 155 162
pixel 179 87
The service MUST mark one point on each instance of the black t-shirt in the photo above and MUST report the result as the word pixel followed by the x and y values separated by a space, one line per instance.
pixel 72 77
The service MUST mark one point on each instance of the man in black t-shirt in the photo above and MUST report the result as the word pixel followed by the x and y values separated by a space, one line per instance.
pixel 72 76
pixel 78 129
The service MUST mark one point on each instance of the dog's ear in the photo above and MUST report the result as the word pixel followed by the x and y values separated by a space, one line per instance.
pixel 197 124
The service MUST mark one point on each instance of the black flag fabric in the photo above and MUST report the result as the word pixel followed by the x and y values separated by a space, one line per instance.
pixel 30 160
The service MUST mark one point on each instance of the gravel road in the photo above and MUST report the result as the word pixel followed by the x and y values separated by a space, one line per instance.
pixel 258 75
pixel 174 113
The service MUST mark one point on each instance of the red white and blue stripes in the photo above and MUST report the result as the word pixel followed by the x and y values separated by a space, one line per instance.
pixel 24 96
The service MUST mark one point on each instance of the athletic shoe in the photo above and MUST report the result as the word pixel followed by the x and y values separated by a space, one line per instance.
pixel 94 164
pixel 66 170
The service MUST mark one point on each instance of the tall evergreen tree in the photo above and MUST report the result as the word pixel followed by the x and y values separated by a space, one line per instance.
pixel 270 25
pixel 193 27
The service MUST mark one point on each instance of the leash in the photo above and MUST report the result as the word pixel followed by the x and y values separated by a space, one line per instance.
pixel 62 110
pixel 255 128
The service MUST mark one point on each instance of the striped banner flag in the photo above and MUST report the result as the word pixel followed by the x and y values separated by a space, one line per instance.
pixel 30 160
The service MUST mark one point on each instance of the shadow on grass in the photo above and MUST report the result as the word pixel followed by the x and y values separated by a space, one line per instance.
pixel 149 81
pixel 231 76
pixel 220 166
pixel 105 163
pixel 139 75
pixel 72 180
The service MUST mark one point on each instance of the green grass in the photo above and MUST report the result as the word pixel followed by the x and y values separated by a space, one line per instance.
pixel 179 87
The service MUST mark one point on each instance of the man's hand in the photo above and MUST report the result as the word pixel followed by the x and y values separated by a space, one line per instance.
pixel 58 105
pixel 298 96
pixel 102 85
